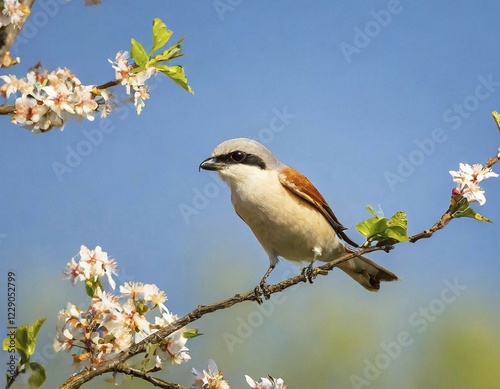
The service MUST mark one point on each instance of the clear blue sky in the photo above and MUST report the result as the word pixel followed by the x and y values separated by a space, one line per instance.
pixel 374 101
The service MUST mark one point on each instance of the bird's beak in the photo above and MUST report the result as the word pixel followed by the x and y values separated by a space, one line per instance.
pixel 211 163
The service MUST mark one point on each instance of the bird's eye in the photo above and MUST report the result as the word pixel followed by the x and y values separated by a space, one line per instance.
pixel 238 156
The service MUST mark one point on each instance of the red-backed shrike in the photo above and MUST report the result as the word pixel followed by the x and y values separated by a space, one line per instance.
pixel 286 212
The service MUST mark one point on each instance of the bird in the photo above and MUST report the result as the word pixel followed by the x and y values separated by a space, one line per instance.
pixel 286 213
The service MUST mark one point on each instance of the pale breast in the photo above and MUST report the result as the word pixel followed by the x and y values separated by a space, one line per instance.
pixel 283 223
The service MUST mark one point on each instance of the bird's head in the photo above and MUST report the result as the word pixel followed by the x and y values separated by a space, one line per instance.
pixel 240 159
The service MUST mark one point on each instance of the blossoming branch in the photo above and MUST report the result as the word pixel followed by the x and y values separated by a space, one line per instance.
pixel 43 100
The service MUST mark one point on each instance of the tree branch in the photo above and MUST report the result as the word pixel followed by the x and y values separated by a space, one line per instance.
pixel 79 379
pixel 124 368
pixel 8 34
pixel 7 109
pixel 118 364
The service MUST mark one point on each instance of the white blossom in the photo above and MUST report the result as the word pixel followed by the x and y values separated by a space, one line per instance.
pixel 266 383
pixel 174 349
pixel 209 379
pixel 48 99
pixel 92 265
pixel 114 322
pixel 468 178
pixel 14 13
pixel 133 80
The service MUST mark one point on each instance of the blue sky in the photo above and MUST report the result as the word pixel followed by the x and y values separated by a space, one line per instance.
pixel 374 101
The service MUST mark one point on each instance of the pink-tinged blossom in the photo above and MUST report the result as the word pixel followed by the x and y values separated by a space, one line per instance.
pixel 209 379
pixel 133 80
pixel 121 65
pixel 468 178
pixel 48 99
pixel 13 85
pixel 266 383
pixel 13 13
pixel 113 323
pixel 92 265
pixel 173 349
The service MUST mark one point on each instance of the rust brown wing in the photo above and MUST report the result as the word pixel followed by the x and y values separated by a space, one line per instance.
pixel 299 185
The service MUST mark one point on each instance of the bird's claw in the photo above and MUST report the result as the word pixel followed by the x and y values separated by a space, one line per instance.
pixel 262 290
pixel 309 273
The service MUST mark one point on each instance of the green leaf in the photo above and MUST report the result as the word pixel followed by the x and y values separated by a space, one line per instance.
pixel 148 357
pixel 370 228
pixel 397 227
pixel 176 73
pixel 193 333
pixel 496 116
pixel 6 344
pixel 370 209
pixel 37 377
pixel 172 52
pixel 26 340
pixel 37 325
pixel 141 308
pixel 161 34
pixel 25 344
pixel 463 209
pixel 382 229
pixel 139 55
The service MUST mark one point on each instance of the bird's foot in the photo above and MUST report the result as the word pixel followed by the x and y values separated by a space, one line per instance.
pixel 309 272
pixel 262 290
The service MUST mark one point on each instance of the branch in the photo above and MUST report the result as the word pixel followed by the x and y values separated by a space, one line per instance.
pixel 79 379
pixel 118 364
pixel 12 378
pixel 7 109
pixel 109 84
pixel 123 368
pixel 8 34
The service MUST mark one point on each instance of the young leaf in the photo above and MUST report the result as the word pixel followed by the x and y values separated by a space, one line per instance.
pixel 397 227
pixel 496 116
pixel 5 344
pixel 138 53
pixel 172 52
pixel 25 345
pixel 176 73
pixel 193 333
pixel 26 340
pixel 37 325
pixel 370 209
pixel 382 229
pixel 37 376
pixel 463 209
pixel 365 227
pixel 161 34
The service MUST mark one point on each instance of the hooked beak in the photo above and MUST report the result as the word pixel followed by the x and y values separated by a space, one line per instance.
pixel 211 163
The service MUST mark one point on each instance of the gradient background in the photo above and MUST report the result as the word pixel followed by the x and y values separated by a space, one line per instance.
pixel 356 117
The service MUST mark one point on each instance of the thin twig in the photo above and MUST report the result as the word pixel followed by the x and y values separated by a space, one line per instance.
pixel 124 368
pixel 12 378
pixel 109 84
pixel 7 109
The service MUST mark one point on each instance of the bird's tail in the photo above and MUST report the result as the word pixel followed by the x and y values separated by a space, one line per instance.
pixel 367 273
